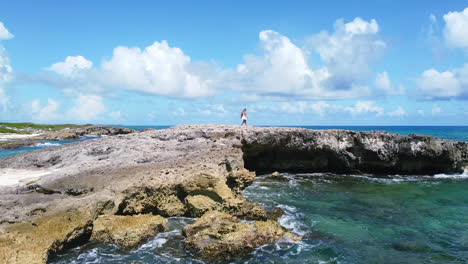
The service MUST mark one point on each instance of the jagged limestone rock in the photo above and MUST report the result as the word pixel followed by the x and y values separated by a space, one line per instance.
pixel 32 242
pixel 162 201
pixel 219 236
pixel 129 231
pixel 200 204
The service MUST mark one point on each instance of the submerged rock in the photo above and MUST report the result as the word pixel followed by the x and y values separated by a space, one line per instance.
pixel 275 213
pixel 219 236
pixel 128 232
pixel 276 176
pixel 18 144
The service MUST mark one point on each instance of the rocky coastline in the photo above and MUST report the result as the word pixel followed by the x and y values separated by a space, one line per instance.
pixel 97 188
pixel 15 141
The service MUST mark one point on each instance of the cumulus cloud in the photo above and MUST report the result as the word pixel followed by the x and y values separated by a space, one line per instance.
pixel 399 112
pixel 4 33
pixel 4 99
pixel 284 69
pixel 349 51
pixel 158 69
pixel 6 71
pixel 365 107
pixel 296 107
pixel 116 115
pixel 323 108
pixel 86 108
pixel 72 66
pixel 433 84
pixel 456 29
pixel 47 112
pixel 384 84
pixel 436 109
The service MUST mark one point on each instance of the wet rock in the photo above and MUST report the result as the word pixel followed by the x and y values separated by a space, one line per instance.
pixel 277 177
pixel 275 213
pixel 219 236
pixel 18 144
pixel 162 201
pixel 200 204
pixel 128 232
pixel 32 242
pixel 240 179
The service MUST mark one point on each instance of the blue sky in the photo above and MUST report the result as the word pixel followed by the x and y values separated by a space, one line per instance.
pixel 178 62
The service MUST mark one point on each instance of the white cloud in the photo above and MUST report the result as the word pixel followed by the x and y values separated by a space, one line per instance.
pixel 365 107
pixel 321 108
pixel 456 29
pixel 116 115
pixel 72 66
pixel 86 108
pixel 349 51
pixel 6 71
pixel 152 116
pixel 383 83
pixel 4 99
pixel 179 112
pixel 399 112
pixel 47 112
pixel 359 26
pixel 436 110
pixel 284 69
pixel 421 112
pixel 158 69
pixel 443 85
pixel 4 33
pixel 296 107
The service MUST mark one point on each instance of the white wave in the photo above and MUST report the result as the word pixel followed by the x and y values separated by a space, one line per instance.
pixel 463 175
pixel 46 145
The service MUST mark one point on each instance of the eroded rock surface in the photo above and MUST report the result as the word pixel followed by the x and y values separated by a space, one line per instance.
pixel 219 236
pixel 188 170
pixel 128 232
pixel 73 133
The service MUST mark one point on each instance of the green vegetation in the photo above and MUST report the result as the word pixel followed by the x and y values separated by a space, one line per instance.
pixel 7 130
pixel 5 127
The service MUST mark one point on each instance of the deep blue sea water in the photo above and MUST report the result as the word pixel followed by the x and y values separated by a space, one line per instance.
pixel 342 218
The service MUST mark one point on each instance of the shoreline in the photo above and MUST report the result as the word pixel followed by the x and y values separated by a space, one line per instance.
pixel 12 136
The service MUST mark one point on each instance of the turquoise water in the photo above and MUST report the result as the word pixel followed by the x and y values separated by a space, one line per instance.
pixel 44 144
pixel 342 218
pixel 360 219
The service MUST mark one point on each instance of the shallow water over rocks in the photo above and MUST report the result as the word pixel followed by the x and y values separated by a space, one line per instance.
pixel 342 218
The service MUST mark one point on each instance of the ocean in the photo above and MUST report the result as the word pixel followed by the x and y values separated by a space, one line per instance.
pixel 342 218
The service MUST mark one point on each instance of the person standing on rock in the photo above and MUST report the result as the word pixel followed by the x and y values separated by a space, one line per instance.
pixel 244 116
